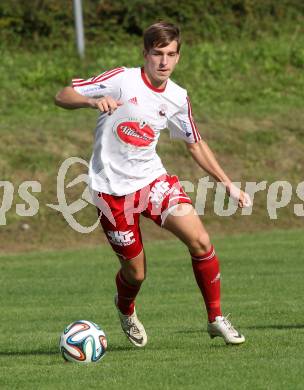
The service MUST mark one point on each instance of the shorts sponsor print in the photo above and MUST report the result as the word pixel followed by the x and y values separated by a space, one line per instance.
pixel 153 201
pixel 121 238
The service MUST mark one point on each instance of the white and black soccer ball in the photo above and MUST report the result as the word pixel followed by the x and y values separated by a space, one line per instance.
pixel 83 342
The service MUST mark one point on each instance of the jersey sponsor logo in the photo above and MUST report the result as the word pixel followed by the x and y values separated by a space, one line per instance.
pixel 121 238
pixel 137 133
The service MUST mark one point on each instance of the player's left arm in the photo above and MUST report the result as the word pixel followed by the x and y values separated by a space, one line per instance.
pixel 206 159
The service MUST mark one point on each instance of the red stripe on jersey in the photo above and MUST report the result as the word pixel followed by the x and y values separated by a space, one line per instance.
pixel 111 75
pixel 94 79
pixel 104 77
pixel 106 73
pixel 82 84
pixel 196 134
pixel 77 81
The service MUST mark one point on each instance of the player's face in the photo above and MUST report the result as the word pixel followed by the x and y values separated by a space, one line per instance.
pixel 160 63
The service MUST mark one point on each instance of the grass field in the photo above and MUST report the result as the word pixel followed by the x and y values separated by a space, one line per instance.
pixel 247 96
pixel 262 287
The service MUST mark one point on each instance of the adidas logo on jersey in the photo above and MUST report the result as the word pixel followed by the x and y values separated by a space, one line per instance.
pixel 133 100
pixel 121 238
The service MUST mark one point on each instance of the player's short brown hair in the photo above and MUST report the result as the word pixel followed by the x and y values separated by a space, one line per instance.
pixel 161 34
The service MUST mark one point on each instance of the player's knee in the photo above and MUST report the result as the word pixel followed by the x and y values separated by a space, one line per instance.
pixel 201 243
pixel 135 277
pixel 138 278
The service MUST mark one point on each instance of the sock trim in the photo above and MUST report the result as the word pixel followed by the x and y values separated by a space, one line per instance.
pixel 207 256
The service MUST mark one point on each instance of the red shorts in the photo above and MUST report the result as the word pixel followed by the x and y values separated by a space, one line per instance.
pixel 119 215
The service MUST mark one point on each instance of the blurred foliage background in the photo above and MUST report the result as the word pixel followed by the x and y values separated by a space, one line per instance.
pixel 47 22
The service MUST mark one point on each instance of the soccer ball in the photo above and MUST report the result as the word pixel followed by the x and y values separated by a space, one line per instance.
pixel 83 342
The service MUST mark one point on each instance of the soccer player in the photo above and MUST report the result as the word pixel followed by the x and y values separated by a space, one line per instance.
pixel 127 178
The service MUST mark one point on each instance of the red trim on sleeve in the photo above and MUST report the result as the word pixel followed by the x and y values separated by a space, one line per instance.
pixel 109 76
pixel 103 77
pixel 196 134
pixel 107 73
pixel 148 84
pixel 76 84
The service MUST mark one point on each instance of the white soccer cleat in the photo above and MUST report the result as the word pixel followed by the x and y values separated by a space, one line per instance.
pixel 222 327
pixel 132 327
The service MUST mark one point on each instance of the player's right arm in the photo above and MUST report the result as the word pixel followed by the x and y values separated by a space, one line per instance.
pixel 101 92
pixel 70 99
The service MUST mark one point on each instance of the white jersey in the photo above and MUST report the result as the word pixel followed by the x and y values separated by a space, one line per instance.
pixel 124 158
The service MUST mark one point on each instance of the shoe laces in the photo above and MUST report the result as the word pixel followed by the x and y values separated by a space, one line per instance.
pixel 131 325
pixel 228 323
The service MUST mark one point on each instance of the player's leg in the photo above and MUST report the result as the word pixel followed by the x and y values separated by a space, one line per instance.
pixel 128 281
pixel 126 242
pixel 166 195
pixel 189 229
pixel 184 223
pixel 187 226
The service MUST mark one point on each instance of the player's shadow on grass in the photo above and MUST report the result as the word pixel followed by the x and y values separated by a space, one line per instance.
pixel 187 331
pixel 28 353
pixel 277 327
pixel 121 348
pixel 112 348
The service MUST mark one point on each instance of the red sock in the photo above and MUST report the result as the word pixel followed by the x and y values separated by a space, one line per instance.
pixel 126 294
pixel 207 274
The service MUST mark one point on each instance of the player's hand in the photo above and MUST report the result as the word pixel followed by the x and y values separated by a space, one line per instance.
pixel 105 104
pixel 240 196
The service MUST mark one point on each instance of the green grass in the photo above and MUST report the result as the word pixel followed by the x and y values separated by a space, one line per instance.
pixel 261 286
pixel 247 95
pixel 223 78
